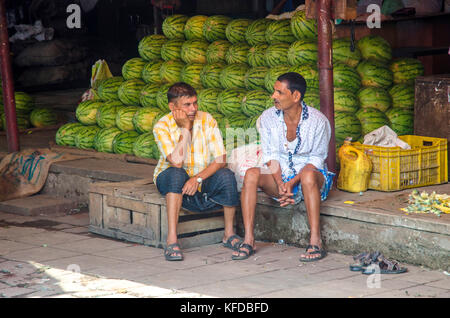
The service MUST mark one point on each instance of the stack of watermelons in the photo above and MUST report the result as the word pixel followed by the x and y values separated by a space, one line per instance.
pixel 233 64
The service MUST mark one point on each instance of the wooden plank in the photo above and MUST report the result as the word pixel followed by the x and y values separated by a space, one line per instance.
pixel 109 213
pixel 201 225
pixel 201 239
pixel 136 192
pixel 132 205
pixel 95 209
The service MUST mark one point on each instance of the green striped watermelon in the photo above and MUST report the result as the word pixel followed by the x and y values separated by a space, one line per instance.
pixel 215 27
pixel 279 31
pixel 276 54
pixel 22 120
pixel 233 76
pixel 108 88
pixel 401 121
pixel 144 119
pixel 194 51
pixel 374 47
pixel 103 140
pixel 312 97
pixel 216 51
pixel 345 101
pixel 227 127
pixel 65 136
pixel 171 50
pixel 43 117
pixel 207 100
pixel 402 96
pixel 346 125
pixel 303 28
pixel 257 55
pixel 229 101
pixel 255 102
pixel 123 143
pixel 343 53
pixel 145 146
pixel 84 139
pixel 193 29
pixel 24 102
pixel 346 77
pixel 170 71
pixel 237 53
pixel 161 97
pixel 272 76
pixel 302 52
pixel 150 46
pixel 106 114
pixel 235 31
pixel 86 112
pixel 148 95
pixel 130 91
pixel 210 75
pixel 256 32
pixel 173 26
pixel 406 70
pixel 252 122
pixel 133 68
pixel 254 79
pixel 150 73
pixel 309 73
pixel 374 73
pixel 371 119
pixel 375 97
pixel 124 117
pixel 191 74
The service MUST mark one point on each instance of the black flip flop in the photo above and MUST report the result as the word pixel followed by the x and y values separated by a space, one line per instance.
pixel 249 252
pixel 228 243
pixel 317 250
pixel 385 266
pixel 169 250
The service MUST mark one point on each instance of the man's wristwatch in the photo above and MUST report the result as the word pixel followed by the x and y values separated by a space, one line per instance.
pixel 199 180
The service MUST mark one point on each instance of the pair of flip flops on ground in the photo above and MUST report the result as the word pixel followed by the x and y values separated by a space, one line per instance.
pixel 376 263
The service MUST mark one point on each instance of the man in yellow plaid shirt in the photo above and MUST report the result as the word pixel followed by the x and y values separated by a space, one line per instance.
pixel 191 171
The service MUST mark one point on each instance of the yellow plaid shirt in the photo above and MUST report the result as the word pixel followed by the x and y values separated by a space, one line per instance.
pixel 206 143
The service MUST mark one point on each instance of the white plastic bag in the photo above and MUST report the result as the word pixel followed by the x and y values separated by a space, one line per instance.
pixel 243 158
pixel 385 137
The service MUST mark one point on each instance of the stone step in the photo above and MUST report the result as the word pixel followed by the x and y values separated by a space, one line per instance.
pixel 39 204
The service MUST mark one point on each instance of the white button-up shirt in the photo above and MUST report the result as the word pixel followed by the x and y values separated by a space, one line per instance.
pixel 312 148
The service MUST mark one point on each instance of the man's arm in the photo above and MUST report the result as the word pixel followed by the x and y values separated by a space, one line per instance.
pixel 191 186
pixel 176 158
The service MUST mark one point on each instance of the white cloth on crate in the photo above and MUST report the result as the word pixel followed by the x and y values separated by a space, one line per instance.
pixel 385 137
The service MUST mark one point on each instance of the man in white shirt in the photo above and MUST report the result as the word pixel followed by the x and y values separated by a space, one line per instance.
pixel 294 141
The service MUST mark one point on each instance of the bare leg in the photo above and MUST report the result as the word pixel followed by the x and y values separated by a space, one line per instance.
pixel 173 201
pixel 229 213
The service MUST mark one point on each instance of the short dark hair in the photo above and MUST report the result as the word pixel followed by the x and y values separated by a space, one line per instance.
pixel 180 89
pixel 294 81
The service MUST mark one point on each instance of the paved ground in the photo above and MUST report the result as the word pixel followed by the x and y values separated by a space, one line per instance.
pixel 57 257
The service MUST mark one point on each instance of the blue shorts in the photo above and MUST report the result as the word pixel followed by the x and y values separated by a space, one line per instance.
pixel 217 191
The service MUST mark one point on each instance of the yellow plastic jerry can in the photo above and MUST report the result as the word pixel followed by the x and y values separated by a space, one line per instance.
pixel 355 171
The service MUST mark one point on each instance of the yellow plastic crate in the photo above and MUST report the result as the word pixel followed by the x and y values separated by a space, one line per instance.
pixel 396 169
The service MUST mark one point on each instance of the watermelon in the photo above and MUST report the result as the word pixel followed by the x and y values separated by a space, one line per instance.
pixel 133 68
pixel 145 146
pixel 86 112
pixel 22 120
pixel 406 70
pixel 371 119
pixel 215 26
pixel 235 31
pixel 150 73
pixel 229 101
pixel 272 76
pixel 106 114
pixel 233 76
pixel 130 91
pixel 302 52
pixel 276 54
pixel 232 121
pixel 65 136
pixel 43 117
pixel 346 125
pixel 207 100
pixel 255 102
pixel 194 51
pixel 191 74
pixel 84 139
pixel 251 122
pixel 374 47
pixel 256 32
pixel 237 53
pixel 148 95
pixel 173 26
pixel 24 103
pixel 309 73
pixel 123 143
pixel 279 31
pixel 257 55
pixel 402 96
pixel 254 79
pixel 401 121
pixel 216 51
pixel 150 46
pixel 193 29
pixel 210 75
pixel 375 97
pixel 108 88
pixel 124 117
pixel 374 73
pixel 103 140
pixel 161 97
pixel 346 77
pixel 170 71
pixel 312 97
pixel 303 28
pixel 343 53
pixel 171 50
pixel 345 101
